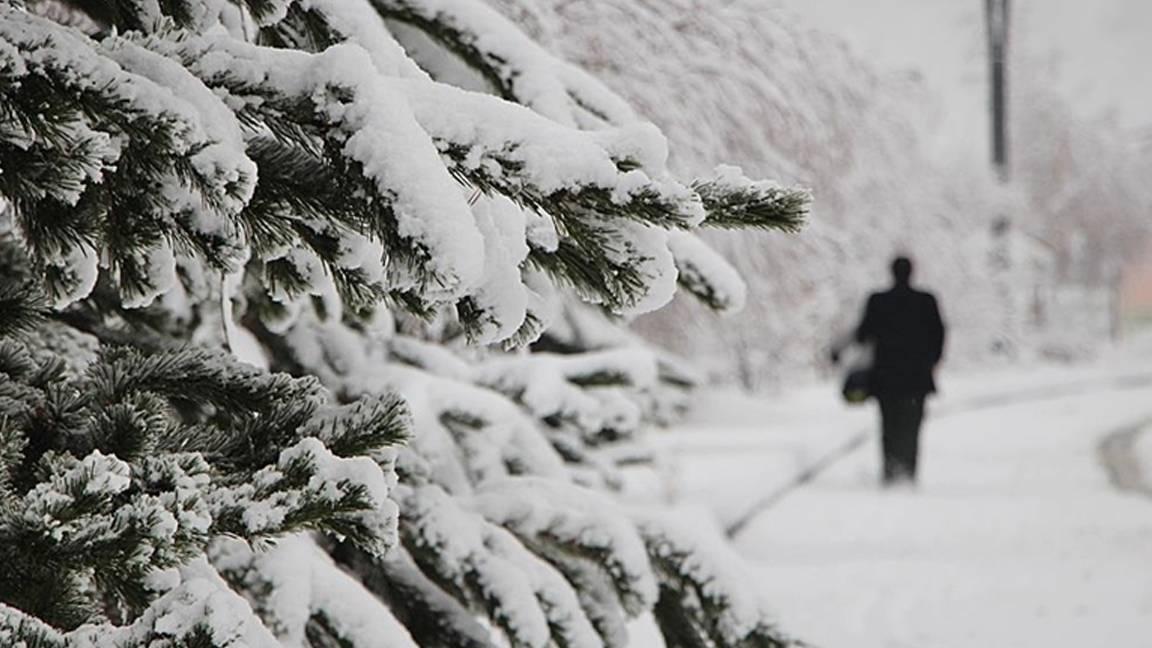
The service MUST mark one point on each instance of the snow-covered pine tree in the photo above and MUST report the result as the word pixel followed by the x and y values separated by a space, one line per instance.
pixel 249 248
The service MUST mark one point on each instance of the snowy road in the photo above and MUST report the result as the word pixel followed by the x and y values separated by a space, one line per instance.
pixel 1016 538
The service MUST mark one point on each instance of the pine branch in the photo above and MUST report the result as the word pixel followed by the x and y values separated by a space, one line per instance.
pixel 300 28
pixel 21 629
pixel 22 308
pixel 546 166
pixel 516 67
pixel 310 488
pixel 353 191
pixel 734 201
pixel 577 522
pixel 579 262
pixel 706 274
pixel 109 477
pixel 370 423
pixel 137 171
pixel 455 37
pixel 698 604
pixel 430 614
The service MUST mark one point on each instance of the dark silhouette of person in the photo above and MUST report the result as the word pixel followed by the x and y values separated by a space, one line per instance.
pixel 904 328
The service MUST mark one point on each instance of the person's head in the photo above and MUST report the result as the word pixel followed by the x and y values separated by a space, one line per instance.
pixel 902 270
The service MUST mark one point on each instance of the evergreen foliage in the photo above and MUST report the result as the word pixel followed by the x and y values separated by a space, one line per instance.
pixel 134 466
pixel 269 288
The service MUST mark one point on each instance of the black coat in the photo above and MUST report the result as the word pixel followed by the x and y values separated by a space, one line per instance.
pixel 904 327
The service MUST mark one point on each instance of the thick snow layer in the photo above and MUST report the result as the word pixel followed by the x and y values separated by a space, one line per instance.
pixel 706 271
pixel 550 157
pixel 1014 537
pixel 501 296
pixel 149 83
pixel 465 433
pixel 378 131
pixel 360 23
pixel 222 162
pixel 550 86
pixel 294 580
pixel 266 503
pixel 159 267
pixel 463 548
pixel 433 358
pixel 201 601
pixel 499 433
pixel 577 517
pixel 703 557
pixel 80 266
pixel 379 126
pixel 657 266
pixel 158 91
pixel 575 387
pixel 354 612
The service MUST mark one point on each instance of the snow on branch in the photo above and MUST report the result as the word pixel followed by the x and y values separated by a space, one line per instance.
pixel 341 119
pixel 315 25
pixel 484 432
pixel 200 610
pixel 20 629
pixel 570 387
pixel 470 558
pixel 576 521
pixel 579 401
pixel 517 67
pixel 431 615
pixel 498 308
pixel 310 488
pixel 346 611
pixel 304 598
pixel 734 201
pixel 141 461
pixel 706 274
pixel 520 73
pixel 114 133
pixel 704 594
pixel 502 147
pixel 283 172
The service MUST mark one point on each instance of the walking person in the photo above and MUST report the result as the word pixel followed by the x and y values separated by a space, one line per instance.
pixel 904 328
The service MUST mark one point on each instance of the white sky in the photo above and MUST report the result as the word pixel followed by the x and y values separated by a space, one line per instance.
pixel 1102 50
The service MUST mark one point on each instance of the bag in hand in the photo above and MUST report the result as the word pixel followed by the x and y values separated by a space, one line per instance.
pixel 857 387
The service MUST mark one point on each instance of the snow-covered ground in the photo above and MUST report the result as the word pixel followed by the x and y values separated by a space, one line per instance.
pixel 1015 536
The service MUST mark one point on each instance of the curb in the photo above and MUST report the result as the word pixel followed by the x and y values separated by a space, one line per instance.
pixel 1117 453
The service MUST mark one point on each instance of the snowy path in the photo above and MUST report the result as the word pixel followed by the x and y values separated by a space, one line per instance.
pixel 1117 451
pixel 1016 538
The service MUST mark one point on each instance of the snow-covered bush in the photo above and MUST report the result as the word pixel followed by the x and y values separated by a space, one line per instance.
pixel 271 272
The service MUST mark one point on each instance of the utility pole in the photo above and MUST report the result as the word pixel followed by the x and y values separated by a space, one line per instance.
pixel 996 14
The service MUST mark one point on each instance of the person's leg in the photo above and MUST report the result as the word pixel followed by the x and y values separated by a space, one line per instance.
pixel 903 423
pixel 889 439
pixel 899 418
pixel 912 448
